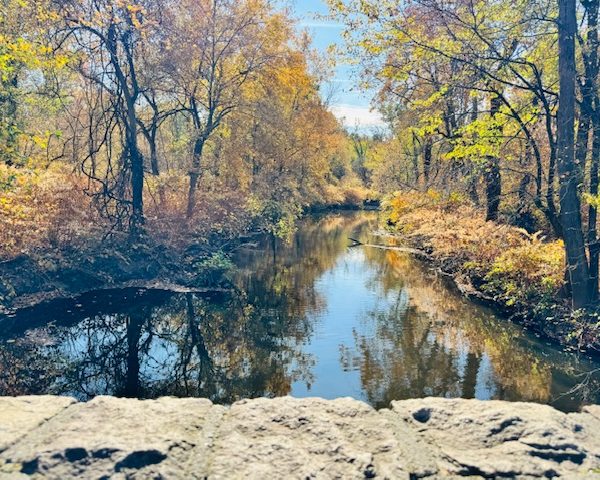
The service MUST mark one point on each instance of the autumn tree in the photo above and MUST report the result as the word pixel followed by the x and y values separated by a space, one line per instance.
pixel 107 37
pixel 27 63
pixel 225 46
pixel 280 148
pixel 570 211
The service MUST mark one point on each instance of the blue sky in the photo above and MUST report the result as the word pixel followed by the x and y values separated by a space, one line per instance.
pixel 349 103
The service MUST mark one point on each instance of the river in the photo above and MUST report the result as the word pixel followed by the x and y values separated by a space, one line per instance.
pixel 312 317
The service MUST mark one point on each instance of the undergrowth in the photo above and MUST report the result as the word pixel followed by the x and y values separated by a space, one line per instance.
pixel 522 273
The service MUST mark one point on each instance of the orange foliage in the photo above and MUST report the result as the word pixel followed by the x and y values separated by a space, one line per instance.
pixel 42 209
pixel 504 261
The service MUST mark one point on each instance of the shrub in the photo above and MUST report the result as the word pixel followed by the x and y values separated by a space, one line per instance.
pixel 517 268
pixel 43 209
pixel 214 267
pixel 531 272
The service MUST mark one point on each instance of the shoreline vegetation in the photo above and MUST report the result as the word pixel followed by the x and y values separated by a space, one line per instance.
pixel 37 275
pixel 518 273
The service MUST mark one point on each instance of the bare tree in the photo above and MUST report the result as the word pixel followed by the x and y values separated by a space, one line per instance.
pixel 108 34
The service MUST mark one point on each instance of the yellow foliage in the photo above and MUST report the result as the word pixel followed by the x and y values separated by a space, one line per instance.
pixel 536 265
pixel 509 263
pixel 42 209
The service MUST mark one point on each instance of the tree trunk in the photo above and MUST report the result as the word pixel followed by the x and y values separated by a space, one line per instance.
pixel 550 201
pixel 582 141
pixel 11 112
pixel 415 158
pixel 195 175
pixel 153 155
pixel 593 211
pixel 592 103
pixel 493 188
pixel 137 170
pixel 570 208
pixel 526 180
pixel 472 185
pixel 137 187
pixel 427 159
pixel 473 176
pixel 493 177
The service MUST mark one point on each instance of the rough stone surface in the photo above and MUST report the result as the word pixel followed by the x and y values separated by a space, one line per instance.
pixel 309 438
pixel 57 438
pixel 119 438
pixel 501 439
pixel 21 414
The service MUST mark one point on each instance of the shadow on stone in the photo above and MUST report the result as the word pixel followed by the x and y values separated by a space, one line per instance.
pixel 141 459
pixel 104 453
pixel 422 415
pixel 75 454
pixel 31 467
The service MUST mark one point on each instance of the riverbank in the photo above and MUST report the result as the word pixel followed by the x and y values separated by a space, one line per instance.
pixel 516 272
pixel 176 259
pixel 33 278
pixel 56 437
pixel 56 240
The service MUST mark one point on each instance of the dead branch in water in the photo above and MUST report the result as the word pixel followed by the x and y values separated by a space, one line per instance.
pixel 357 243
pixel 413 251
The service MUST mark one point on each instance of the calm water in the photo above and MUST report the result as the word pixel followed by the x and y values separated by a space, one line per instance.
pixel 309 318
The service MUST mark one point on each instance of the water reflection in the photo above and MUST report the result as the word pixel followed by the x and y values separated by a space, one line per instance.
pixel 216 347
pixel 310 318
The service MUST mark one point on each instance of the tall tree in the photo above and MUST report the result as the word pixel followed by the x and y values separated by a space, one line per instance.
pixel 108 35
pixel 570 207
pixel 590 107
pixel 226 45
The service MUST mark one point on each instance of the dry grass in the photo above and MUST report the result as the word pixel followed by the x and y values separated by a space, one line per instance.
pixel 43 210
pixel 516 268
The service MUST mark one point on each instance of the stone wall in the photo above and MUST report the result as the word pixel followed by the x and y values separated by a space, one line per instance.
pixel 58 438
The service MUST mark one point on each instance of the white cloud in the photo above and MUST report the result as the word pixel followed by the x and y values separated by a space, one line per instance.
pixel 321 25
pixel 355 116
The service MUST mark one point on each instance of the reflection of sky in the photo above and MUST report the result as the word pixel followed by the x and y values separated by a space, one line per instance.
pixel 348 101
pixel 356 304
pixel 348 301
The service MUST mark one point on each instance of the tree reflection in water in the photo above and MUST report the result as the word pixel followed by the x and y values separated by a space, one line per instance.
pixel 432 342
pixel 393 329
pixel 218 348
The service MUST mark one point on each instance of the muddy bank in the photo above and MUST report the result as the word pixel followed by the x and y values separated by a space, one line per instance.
pixel 31 279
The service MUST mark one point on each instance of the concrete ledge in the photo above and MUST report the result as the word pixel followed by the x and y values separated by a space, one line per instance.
pixel 58 438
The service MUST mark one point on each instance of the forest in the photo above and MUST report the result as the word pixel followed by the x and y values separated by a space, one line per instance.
pixel 152 116
pixel 148 139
